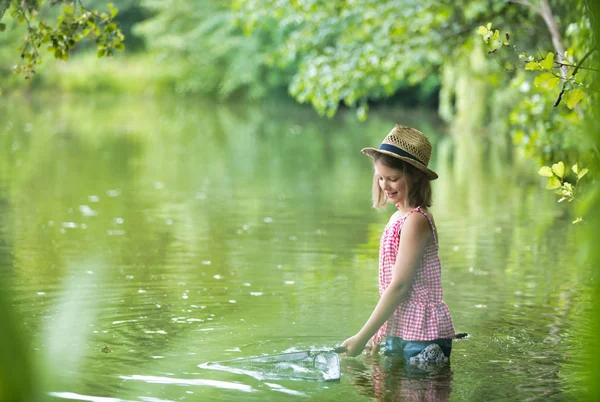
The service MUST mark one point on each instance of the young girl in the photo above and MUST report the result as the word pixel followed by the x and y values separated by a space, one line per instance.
pixel 410 317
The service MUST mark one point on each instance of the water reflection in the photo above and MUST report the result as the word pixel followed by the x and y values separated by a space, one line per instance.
pixel 392 379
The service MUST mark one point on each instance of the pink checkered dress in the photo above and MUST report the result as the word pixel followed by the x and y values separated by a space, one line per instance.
pixel 422 316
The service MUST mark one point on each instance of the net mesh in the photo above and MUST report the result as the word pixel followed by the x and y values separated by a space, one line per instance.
pixel 312 365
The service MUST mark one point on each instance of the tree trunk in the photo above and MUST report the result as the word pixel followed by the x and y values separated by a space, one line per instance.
pixel 546 13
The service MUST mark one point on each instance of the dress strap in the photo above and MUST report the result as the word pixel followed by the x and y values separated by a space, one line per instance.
pixel 418 209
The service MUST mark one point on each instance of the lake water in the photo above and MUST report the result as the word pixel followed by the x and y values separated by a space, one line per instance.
pixel 143 238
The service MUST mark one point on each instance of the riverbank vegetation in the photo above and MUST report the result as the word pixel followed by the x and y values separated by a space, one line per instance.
pixel 347 55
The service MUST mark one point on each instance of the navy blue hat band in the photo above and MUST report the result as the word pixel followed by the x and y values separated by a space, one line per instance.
pixel 399 152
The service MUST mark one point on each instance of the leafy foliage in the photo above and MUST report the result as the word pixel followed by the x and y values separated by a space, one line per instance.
pixel 354 51
pixel 210 54
pixel 550 74
pixel 74 23
pixel 545 78
pixel 558 122
pixel 564 186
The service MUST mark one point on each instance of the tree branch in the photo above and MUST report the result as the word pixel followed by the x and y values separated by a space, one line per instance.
pixel 577 68
pixel 527 4
pixel 582 61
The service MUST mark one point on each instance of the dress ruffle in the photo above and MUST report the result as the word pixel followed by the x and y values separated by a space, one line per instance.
pixel 430 320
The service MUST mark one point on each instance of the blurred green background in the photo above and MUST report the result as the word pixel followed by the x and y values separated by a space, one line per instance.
pixel 199 195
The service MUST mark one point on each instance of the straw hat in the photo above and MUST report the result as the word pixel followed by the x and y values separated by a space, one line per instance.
pixel 407 144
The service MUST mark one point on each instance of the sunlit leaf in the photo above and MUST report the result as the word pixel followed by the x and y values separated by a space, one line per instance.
pixel 532 66
pixel 482 30
pixel 545 171
pixel 559 169
pixel 489 25
pixel 553 183
pixel 581 173
pixel 579 219
pixel 547 80
pixel 573 97
pixel 548 62
pixel 575 169
pixel 496 35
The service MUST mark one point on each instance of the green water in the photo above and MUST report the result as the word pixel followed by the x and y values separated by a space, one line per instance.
pixel 177 232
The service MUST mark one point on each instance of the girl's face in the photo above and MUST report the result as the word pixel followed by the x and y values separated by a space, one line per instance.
pixel 392 182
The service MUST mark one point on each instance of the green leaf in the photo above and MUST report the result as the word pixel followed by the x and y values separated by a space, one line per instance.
pixel 545 171
pixel 489 25
pixel 482 30
pixel 496 35
pixel 547 80
pixel 2 27
pixel 581 173
pixel 532 66
pixel 559 169
pixel 548 62
pixel 575 169
pixel 579 219
pixel 101 52
pixel 553 183
pixel 573 97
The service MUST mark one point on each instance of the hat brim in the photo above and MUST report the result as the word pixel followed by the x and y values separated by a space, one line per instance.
pixel 431 175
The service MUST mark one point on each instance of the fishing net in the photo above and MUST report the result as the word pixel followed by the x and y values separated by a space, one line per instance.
pixel 309 365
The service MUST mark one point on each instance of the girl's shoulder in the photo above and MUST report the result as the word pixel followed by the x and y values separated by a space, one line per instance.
pixel 424 212
pixel 421 220
pixel 418 217
pixel 427 214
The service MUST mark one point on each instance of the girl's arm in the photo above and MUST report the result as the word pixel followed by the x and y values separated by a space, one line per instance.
pixel 415 235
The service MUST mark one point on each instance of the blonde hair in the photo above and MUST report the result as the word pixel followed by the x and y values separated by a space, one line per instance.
pixel 418 184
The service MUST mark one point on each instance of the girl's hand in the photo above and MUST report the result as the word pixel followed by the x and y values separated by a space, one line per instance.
pixel 354 346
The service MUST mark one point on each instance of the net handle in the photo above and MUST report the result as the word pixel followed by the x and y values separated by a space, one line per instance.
pixel 342 349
